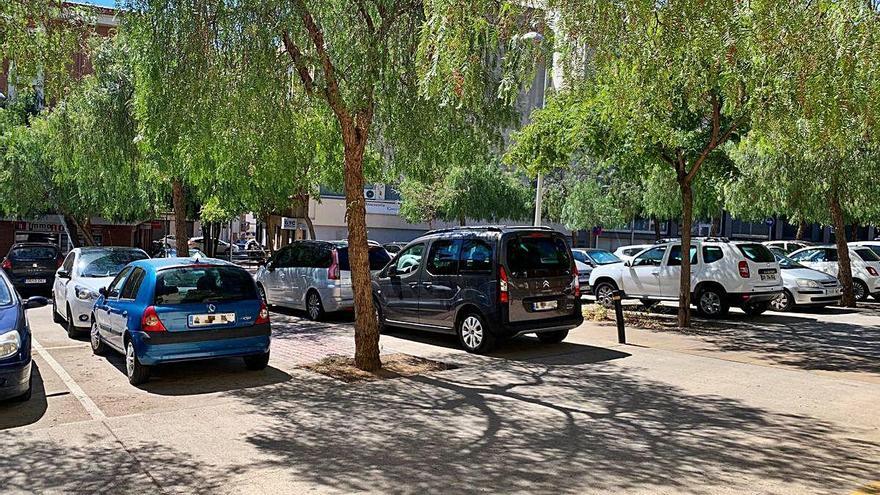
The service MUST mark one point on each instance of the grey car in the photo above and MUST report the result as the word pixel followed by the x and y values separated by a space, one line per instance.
pixel 314 276
pixel 804 286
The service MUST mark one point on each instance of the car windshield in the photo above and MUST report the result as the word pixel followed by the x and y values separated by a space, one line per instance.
pixel 604 257
pixel 203 284
pixel 34 253
pixel 757 253
pixel 785 262
pixel 100 264
pixel 537 255
pixel 5 293
pixel 379 257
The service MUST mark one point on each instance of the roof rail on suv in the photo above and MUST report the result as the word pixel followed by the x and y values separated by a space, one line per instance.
pixel 489 228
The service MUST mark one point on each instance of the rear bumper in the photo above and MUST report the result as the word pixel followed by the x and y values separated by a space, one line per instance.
pixel 509 329
pixel 155 348
pixel 737 299
pixel 336 298
pixel 21 286
pixel 15 379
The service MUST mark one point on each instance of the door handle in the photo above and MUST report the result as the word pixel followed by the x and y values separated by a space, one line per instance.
pixel 125 313
pixel 413 284
pixel 656 274
pixel 428 285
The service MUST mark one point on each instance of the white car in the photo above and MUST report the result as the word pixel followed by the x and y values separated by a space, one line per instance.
pixel 222 246
pixel 787 246
pixel 804 286
pixel 864 261
pixel 585 259
pixel 84 272
pixel 626 253
pixel 723 273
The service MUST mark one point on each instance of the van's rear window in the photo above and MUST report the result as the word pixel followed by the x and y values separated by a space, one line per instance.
pixel 204 284
pixel 34 253
pixel 757 253
pixel 533 255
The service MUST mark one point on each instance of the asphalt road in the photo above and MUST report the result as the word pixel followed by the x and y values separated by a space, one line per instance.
pixel 782 404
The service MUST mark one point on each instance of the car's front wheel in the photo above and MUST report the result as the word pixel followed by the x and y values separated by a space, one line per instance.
pixel 98 345
pixel 604 293
pixel 783 302
pixel 55 316
pixel 474 335
pixel 257 362
pixel 552 337
pixel 30 390
pixel 711 303
pixel 72 331
pixel 137 372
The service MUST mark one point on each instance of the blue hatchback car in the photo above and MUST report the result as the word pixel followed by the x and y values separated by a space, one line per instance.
pixel 180 309
pixel 15 342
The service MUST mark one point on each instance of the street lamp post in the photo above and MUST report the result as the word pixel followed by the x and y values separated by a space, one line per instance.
pixel 538 38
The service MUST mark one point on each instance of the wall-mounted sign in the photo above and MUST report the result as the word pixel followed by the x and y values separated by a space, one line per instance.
pixel 383 207
pixel 288 223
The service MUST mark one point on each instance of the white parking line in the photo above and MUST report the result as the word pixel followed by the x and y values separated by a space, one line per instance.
pixel 75 389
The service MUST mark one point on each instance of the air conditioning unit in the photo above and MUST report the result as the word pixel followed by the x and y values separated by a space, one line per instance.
pixel 375 192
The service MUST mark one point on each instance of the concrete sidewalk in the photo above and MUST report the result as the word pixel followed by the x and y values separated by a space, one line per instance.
pixel 584 416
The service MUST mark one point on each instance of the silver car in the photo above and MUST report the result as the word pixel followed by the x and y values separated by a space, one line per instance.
pixel 314 276
pixel 804 286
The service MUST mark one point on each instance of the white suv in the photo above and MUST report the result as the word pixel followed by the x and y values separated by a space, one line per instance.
pixel 864 262
pixel 723 273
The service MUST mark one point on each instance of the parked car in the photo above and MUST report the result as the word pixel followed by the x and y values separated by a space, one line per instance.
pixel 180 309
pixel 483 284
pixel 864 262
pixel 587 259
pixel 223 247
pixel 15 342
pixel 804 286
pixel 625 253
pixel 77 282
pixel 787 246
pixel 723 273
pixel 872 245
pixel 314 276
pixel 170 252
pixel 31 266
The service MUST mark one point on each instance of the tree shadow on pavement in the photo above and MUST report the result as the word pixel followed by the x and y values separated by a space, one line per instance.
pixel 800 341
pixel 98 463
pixel 532 427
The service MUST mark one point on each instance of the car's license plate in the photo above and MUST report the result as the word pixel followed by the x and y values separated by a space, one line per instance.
pixel 211 319
pixel 35 280
pixel 545 305
pixel 768 276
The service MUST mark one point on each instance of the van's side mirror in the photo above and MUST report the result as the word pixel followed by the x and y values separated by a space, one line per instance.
pixel 63 274
pixel 103 291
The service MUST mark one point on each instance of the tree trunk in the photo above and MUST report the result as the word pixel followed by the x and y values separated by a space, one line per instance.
pixel 684 293
pixel 716 227
pixel 72 230
pixel 801 231
pixel 656 223
pixel 366 330
pixel 309 225
pixel 178 200
pixel 462 221
pixel 574 239
pixel 854 232
pixel 843 262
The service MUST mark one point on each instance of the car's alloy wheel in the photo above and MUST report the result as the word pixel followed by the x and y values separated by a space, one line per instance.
pixel 860 290
pixel 72 331
pixel 472 332
pixel 55 316
pixel 313 306
pixel 710 303
pixel 782 302
pixel 605 294
pixel 95 340
pixel 137 372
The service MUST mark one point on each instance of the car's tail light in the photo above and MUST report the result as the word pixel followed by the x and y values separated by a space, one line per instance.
pixel 333 271
pixel 263 316
pixel 575 283
pixel 872 271
pixel 150 321
pixel 503 294
pixel 744 269
pixel 7 264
